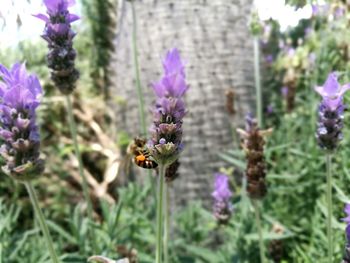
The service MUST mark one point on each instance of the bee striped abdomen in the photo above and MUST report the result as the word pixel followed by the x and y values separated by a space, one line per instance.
pixel 142 161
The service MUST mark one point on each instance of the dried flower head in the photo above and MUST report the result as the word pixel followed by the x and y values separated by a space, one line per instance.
pixel 20 141
pixel 59 36
pixel 253 144
pixel 290 84
pixel 172 172
pixel 128 253
pixel 230 102
pixel 276 246
pixel 222 195
pixel 330 113
pixel 166 131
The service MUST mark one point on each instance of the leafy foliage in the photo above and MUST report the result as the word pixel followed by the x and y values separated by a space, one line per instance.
pixel 294 211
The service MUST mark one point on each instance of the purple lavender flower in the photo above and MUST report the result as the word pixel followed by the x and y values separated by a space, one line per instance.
pixel 20 141
pixel 59 36
pixel 166 131
pixel 281 44
pixel 346 258
pixel 290 51
pixel 315 9
pixel 267 28
pixel 339 12
pixel 284 91
pixel 270 109
pixel 312 60
pixel 347 221
pixel 320 10
pixel 308 31
pixel 330 112
pixel 222 195
pixel 269 59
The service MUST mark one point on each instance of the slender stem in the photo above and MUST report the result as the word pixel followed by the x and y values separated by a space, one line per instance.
pixel 329 204
pixel 161 182
pixel 258 224
pixel 42 221
pixel 141 104
pixel 73 130
pixel 166 223
pixel 258 82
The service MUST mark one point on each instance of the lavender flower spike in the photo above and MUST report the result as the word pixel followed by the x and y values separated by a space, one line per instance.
pixel 346 258
pixel 166 131
pixel 59 36
pixel 222 195
pixel 253 142
pixel 330 113
pixel 20 142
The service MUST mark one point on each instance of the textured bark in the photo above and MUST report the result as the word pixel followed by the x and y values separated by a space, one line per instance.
pixel 214 40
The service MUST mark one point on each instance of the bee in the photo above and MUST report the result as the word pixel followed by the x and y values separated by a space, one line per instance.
pixel 141 154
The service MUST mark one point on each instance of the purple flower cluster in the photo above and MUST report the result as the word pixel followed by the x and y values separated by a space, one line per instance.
pixel 339 12
pixel 222 195
pixel 330 112
pixel 166 131
pixel 347 233
pixel 20 141
pixel 59 36
pixel 320 10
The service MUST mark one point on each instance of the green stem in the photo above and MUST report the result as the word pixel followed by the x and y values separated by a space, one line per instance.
pixel 73 130
pixel 258 224
pixel 161 182
pixel 42 221
pixel 141 104
pixel 166 223
pixel 258 82
pixel 329 205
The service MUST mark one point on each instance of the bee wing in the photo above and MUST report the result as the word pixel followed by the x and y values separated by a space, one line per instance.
pixel 125 167
pixel 112 170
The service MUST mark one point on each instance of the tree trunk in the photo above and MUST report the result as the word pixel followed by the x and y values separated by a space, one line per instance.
pixel 214 40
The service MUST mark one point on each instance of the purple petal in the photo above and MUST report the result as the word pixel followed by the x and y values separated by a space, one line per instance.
pixel 34 86
pixel 347 231
pixel 42 17
pixel 19 72
pixel 347 209
pixel 52 5
pixel 284 91
pixel 72 18
pixel 19 88
pixel 333 104
pixel 172 63
pixel 343 89
pixel 331 86
pixel 5 74
pixel 158 89
pixel 222 190
pixel 6 135
pixel 60 29
pixel 70 3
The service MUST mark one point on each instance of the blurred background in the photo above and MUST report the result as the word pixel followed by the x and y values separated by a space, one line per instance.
pixel 300 42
